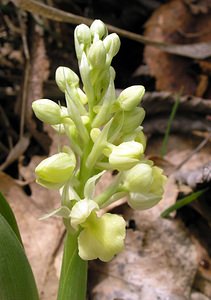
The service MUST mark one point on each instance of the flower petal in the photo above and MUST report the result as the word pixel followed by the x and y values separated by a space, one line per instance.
pixel 89 188
pixel 142 201
pixel 81 211
pixel 102 238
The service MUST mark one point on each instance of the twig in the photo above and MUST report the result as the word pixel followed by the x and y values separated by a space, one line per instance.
pixel 198 148
pixel 193 35
pixel 37 70
pixel 197 51
pixel 23 35
pixel 26 73
pixel 158 102
pixel 7 126
pixel 24 97
pixel 11 26
pixel 181 124
pixel 3 148
pixel 16 152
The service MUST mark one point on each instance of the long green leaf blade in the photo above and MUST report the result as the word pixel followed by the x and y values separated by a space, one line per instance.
pixel 182 202
pixel 16 277
pixel 7 213
pixel 169 125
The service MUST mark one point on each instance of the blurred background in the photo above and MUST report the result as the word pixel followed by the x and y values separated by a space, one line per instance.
pixel 170 54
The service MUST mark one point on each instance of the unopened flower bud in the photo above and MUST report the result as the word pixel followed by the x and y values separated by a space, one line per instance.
pixel 140 137
pixel 83 34
pixel 126 155
pixel 112 72
pixel 64 112
pixel 145 190
pixel 55 170
pixel 112 44
pixel 159 180
pixel 82 96
pixel 85 120
pixel 72 131
pixel 95 132
pixel 98 28
pixel 139 178
pixel 97 55
pixel 47 111
pixel 130 97
pixel 66 77
pixel 137 135
pixel 132 119
pixel 59 128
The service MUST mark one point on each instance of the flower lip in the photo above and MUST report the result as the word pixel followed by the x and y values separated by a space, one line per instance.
pixel 103 238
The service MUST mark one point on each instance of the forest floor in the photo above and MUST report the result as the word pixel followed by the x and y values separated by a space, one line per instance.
pixel 170 54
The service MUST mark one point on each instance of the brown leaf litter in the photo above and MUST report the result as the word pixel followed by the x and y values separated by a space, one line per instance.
pixel 174 22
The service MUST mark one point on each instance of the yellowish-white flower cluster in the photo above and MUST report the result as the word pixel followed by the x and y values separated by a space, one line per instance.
pixel 105 133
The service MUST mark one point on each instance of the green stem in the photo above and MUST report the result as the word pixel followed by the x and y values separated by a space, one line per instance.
pixel 85 172
pixel 73 279
pixel 113 188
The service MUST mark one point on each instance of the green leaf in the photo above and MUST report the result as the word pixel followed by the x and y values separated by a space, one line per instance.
pixel 169 124
pixel 182 202
pixel 16 277
pixel 7 213
pixel 73 277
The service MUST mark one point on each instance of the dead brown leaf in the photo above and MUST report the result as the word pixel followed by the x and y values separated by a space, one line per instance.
pixel 198 7
pixel 162 102
pixel 172 72
pixel 36 72
pixel 198 296
pixel 16 152
pixel 160 259
pixel 179 148
pixel 200 176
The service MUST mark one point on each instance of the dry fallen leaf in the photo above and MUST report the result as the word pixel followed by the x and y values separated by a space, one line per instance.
pixel 174 73
pixel 198 296
pixel 16 152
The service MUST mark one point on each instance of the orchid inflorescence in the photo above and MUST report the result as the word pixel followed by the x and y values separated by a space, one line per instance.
pixel 105 134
